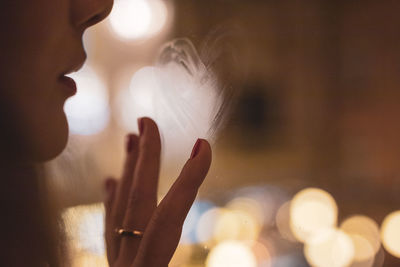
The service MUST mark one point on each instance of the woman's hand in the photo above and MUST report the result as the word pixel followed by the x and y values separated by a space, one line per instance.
pixel 132 202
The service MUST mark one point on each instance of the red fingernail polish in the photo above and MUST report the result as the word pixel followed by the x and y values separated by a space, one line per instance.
pixel 129 143
pixel 196 149
pixel 140 125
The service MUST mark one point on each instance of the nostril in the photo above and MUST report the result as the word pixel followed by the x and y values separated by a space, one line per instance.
pixel 94 20
pixel 87 16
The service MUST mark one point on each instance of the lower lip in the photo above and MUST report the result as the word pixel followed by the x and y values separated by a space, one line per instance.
pixel 69 83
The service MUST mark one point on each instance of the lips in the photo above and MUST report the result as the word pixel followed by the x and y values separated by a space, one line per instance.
pixel 69 84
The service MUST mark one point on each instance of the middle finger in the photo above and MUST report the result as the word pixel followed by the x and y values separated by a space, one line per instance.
pixel 143 193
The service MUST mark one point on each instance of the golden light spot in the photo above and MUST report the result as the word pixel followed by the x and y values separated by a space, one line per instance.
pixel 329 248
pixel 390 233
pixel 363 229
pixel 236 225
pixel 364 254
pixel 247 205
pixel 312 210
pixel 88 260
pixel 84 227
pixel 206 225
pixel 231 254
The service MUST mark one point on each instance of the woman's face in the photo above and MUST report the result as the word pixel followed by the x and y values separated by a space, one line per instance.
pixel 41 40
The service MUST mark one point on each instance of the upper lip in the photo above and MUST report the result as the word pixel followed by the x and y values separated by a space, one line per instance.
pixel 75 67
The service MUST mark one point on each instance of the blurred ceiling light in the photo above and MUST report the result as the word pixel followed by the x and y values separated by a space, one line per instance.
pixel 390 233
pixel 85 227
pixel 266 201
pixel 137 19
pixel 247 205
pixel 137 100
pixel 231 254
pixel 282 221
pixel 91 230
pixel 192 219
pixel 329 248
pixel 236 225
pixel 206 225
pixel 86 260
pixel 312 210
pixel 363 228
pixel 88 111
pixel 364 254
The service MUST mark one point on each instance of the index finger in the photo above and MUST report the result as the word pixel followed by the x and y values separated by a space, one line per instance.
pixel 166 223
pixel 143 192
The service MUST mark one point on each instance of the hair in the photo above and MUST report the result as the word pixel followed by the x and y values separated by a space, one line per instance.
pixel 31 228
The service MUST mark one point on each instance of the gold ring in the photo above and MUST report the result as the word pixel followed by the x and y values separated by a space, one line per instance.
pixel 124 232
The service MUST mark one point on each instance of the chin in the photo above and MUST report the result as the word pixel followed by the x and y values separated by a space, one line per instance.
pixel 50 143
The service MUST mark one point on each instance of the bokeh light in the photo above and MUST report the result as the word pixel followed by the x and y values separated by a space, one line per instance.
pixel 364 254
pixel 86 260
pixel 88 111
pixel 365 234
pixel 192 219
pixel 138 99
pixel 136 19
pixel 329 248
pixel 262 202
pixel 282 221
pixel 236 225
pixel 390 233
pixel 206 225
pixel 247 205
pixel 312 210
pixel 85 230
pixel 231 254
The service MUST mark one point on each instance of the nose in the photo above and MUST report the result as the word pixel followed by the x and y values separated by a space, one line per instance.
pixel 86 13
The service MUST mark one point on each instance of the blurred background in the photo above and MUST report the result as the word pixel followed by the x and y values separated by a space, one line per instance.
pixel 306 149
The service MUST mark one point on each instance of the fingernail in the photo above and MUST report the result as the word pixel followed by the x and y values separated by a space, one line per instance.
pixel 141 125
pixel 129 143
pixel 196 149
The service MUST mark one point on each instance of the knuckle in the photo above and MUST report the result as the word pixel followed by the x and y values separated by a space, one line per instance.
pixel 138 196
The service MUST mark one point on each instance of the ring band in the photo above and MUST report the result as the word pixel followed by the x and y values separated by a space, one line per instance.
pixel 124 232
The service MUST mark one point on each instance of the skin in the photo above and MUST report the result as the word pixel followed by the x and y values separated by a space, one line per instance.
pixel 132 203
pixel 43 40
